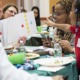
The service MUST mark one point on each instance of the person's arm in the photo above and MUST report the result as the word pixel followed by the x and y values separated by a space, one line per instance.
pixel 66 46
pixel 22 40
pixel 64 27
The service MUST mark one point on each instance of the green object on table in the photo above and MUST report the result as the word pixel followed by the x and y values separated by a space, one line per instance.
pixel 17 58
pixel 39 28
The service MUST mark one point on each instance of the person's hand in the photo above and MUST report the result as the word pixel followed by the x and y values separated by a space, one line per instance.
pixel 1 13
pixel 22 39
pixel 58 77
pixel 46 42
pixel 49 22
pixel 66 46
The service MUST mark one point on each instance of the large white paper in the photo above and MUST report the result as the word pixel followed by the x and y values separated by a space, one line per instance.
pixel 9 30
pixel 1 32
pixel 27 25
pixel 22 24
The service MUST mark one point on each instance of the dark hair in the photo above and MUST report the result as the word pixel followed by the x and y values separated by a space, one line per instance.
pixel 23 10
pixel 35 7
pixel 67 5
pixel 9 5
pixel 38 23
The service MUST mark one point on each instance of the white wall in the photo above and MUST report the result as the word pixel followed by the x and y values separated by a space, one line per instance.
pixel 19 7
pixel 36 3
pixel 44 8
pixel 42 4
pixel 28 4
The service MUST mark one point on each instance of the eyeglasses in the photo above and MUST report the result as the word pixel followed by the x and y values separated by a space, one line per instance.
pixel 11 11
pixel 57 13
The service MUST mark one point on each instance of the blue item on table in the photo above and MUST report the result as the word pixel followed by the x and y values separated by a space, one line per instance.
pixel 36 66
pixel 18 65
pixel 28 66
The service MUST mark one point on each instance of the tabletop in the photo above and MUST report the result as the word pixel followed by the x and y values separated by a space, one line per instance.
pixel 70 70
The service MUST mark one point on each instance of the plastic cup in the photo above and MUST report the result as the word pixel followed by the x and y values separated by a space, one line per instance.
pixel 17 58
pixel 57 53
pixel 39 28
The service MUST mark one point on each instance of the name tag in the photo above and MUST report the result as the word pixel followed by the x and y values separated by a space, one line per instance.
pixel 78 43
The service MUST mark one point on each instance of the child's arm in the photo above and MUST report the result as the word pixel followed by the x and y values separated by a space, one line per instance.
pixel 64 27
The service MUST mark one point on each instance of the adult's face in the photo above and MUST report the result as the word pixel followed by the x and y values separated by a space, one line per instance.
pixel 59 14
pixel 11 11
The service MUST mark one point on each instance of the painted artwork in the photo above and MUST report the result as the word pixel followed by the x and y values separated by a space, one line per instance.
pixel 22 24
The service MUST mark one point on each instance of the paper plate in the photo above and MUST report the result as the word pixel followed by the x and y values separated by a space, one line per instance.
pixel 32 55
pixel 9 47
pixel 54 61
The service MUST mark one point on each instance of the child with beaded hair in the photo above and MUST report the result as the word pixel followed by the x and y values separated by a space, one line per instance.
pixel 74 28
pixel 61 15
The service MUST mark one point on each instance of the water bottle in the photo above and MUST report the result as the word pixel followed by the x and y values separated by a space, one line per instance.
pixel 21 48
pixel 57 50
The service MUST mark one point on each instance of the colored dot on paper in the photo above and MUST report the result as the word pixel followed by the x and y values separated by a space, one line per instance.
pixel 28 31
pixel 24 15
pixel 26 24
pixel 22 25
pixel 27 27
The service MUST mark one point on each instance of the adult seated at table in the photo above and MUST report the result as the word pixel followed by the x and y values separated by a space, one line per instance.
pixel 9 10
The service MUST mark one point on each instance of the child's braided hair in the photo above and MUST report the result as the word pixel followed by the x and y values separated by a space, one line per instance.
pixel 66 4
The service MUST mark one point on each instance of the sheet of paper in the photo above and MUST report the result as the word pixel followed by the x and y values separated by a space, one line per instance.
pixel 22 24
pixel 31 23
pixel 27 25
pixel 10 30
pixel 52 69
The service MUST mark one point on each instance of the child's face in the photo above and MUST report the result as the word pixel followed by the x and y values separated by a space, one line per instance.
pixel 59 14
pixel 73 15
